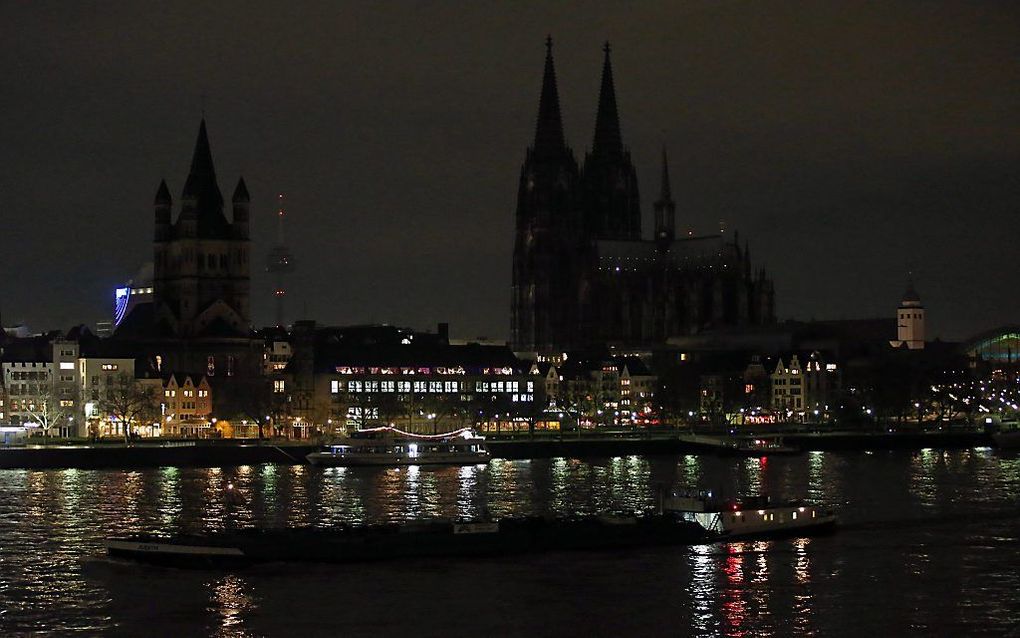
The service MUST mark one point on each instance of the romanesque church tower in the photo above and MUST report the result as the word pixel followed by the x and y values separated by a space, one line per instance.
pixel 201 260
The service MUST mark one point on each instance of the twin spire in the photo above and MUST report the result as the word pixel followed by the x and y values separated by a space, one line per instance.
pixel 549 138
pixel 607 122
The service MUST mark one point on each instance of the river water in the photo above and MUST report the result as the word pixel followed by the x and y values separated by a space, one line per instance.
pixel 928 545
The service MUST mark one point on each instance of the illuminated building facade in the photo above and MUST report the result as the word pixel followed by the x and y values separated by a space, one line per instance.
pixel 997 346
pixel 100 376
pixel 377 375
pixel 27 384
pixel 39 383
pixel 595 392
pixel 584 275
pixel 910 321
pixel 186 406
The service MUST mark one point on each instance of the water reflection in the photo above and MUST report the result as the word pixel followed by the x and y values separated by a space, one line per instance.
pixel 703 572
pixel 231 602
pixel 802 607
pixel 52 525
pixel 734 608
pixel 467 487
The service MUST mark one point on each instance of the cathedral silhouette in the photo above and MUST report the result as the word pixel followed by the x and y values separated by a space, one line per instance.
pixel 583 275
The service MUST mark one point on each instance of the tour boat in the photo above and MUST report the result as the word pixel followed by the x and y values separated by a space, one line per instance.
pixel 389 446
pixel 416 539
pixel 755 517
pixel 763 446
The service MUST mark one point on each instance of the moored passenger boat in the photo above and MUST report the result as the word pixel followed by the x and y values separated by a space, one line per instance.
pixel 392 447
pixel 756 517
pixel 763 446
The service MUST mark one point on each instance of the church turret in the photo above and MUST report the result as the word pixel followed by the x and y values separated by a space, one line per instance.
pixel 162 205
pixel 665 209
pixel 612 205
pixel 910 320
pixel 241 201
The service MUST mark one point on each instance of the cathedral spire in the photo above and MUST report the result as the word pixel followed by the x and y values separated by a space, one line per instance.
pixel 549 141
pixel 665 209
pixel 607 122
pixel 163 194
pixel 665 193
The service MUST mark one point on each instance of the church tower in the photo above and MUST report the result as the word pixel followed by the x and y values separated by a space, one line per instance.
pixel 201 271
pixel 910 320
pixel 547 223
pixel 611 202
pixel 665 209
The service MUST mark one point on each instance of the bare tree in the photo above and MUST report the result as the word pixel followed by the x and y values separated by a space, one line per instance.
pixel 130 402
pixel 48 409
pixel 251 399
pixel 444 408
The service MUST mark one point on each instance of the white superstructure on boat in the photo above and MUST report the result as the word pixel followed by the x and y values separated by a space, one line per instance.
pixel 756 516
pixel 390 446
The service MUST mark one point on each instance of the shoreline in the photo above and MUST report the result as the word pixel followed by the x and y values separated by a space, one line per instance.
pixel 205 454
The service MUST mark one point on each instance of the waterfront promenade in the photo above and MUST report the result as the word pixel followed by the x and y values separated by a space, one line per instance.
pixel 213 453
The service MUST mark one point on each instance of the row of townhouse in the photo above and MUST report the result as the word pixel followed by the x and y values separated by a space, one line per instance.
pixel 51 387
pixel 597 391
pixel 363 376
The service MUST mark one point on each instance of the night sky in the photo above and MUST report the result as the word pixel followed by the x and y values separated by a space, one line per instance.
pixel 850 143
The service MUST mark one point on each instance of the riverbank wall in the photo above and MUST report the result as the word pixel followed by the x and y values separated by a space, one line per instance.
pixel 143 456
pixel 225 453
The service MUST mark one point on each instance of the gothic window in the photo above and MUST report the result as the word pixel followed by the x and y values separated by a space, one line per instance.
pixel 212 261
pixel 210 366
pixel 223 262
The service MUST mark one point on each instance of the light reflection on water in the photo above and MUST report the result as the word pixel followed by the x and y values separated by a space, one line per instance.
pixel 917 524
pixel 231 602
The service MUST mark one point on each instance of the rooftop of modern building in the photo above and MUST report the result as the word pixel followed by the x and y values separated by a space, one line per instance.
pixel 473 358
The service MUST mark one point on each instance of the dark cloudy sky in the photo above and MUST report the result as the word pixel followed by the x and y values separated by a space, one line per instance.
pixel 849 142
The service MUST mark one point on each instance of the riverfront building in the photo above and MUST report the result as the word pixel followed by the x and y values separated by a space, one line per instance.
pixel 371 375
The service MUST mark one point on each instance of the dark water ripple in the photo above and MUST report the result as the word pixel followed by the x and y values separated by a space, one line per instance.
pixel 930 545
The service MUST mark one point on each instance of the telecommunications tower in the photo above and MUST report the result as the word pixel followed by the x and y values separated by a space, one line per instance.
pixel 280 263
